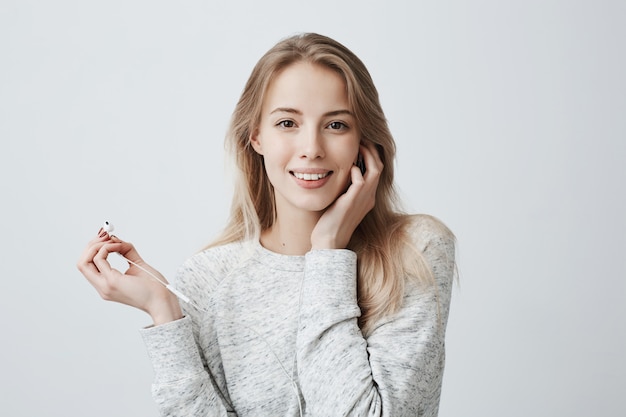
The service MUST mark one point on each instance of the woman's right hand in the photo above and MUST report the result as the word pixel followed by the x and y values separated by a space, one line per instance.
pixel 134 287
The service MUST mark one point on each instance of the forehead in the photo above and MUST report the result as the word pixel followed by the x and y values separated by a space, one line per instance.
pixel 307 87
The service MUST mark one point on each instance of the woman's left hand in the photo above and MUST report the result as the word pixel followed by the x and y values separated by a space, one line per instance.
pixel 334 229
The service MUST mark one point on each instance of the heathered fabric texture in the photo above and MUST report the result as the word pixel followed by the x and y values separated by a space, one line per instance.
pixel 258 312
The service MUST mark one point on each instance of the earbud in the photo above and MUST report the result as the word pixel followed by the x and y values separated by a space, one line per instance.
pixel 108 227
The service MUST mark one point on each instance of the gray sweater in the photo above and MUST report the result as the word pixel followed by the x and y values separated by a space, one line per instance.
pixel 266 334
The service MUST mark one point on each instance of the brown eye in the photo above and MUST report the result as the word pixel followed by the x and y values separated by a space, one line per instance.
pixel 286 123
pixel 337 125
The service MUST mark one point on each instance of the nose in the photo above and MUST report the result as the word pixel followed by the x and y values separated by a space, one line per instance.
pixel 312 144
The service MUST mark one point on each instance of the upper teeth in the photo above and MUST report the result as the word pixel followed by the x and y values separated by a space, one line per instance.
pixel 309 177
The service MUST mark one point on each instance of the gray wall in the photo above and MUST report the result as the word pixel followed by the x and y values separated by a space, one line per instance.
pixel 510 123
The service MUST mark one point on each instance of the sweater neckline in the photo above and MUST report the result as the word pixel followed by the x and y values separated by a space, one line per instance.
pixel 278 260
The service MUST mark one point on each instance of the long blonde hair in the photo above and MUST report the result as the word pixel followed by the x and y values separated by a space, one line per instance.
pixel 385 253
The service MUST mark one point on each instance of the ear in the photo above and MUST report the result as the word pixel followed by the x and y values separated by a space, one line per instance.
pixel 255 142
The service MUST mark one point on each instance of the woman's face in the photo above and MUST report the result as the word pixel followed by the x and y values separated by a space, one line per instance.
pixel 308 137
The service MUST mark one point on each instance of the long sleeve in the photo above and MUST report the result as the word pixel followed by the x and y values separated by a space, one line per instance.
pixel 184 353
pixel 182 386
pixel 267 333
pixel 397 371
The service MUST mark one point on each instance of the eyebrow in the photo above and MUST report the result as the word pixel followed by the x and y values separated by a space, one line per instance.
pixel 298 112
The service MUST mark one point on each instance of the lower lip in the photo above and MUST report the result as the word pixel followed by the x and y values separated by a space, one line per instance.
pixel 312 184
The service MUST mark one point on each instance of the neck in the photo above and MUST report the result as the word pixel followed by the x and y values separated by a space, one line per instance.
pixel 291 235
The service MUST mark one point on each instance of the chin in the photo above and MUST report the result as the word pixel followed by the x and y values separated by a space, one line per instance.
pixel 314 207
pixel 317 205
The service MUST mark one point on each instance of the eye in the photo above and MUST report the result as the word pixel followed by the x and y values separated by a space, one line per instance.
pixel 337 126
pixel 286 124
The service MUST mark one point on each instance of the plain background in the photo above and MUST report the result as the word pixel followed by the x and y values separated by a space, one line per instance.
pixel 510 120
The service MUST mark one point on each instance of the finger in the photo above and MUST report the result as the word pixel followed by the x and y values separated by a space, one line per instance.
pixel 101 236
pixel 85 262
pixel 106 281
pixel 356 177
pixel 127 250
pixel 373 163
pixel 100 259
pixel 110 247
pixel 87 266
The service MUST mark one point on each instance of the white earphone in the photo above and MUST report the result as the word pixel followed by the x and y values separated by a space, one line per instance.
pixel 108 227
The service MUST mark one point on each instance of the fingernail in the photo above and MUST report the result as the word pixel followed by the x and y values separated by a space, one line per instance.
pixel 102 234
pixel 99 231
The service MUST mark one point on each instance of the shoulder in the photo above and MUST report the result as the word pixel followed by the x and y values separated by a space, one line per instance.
pixel 437 245
pixel 207 268
pixel 427 231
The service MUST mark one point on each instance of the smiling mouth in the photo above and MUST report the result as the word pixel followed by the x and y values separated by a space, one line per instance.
pixel 310 177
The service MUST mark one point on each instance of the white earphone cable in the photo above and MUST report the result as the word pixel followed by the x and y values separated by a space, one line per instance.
pixel 170 287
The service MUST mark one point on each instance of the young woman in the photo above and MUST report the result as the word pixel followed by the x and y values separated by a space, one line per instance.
pixel 320 298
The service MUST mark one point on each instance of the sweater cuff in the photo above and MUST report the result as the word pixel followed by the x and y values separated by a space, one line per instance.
pixel 330 289
pixel 331 272
pixel 173 351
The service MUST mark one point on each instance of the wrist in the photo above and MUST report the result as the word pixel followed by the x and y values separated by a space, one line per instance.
pixel 165 310
pixel 320 244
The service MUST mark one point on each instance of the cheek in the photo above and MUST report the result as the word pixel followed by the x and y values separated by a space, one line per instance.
pixel 349 157
pixel 275 163
pixel 346 164
pixel 276 158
